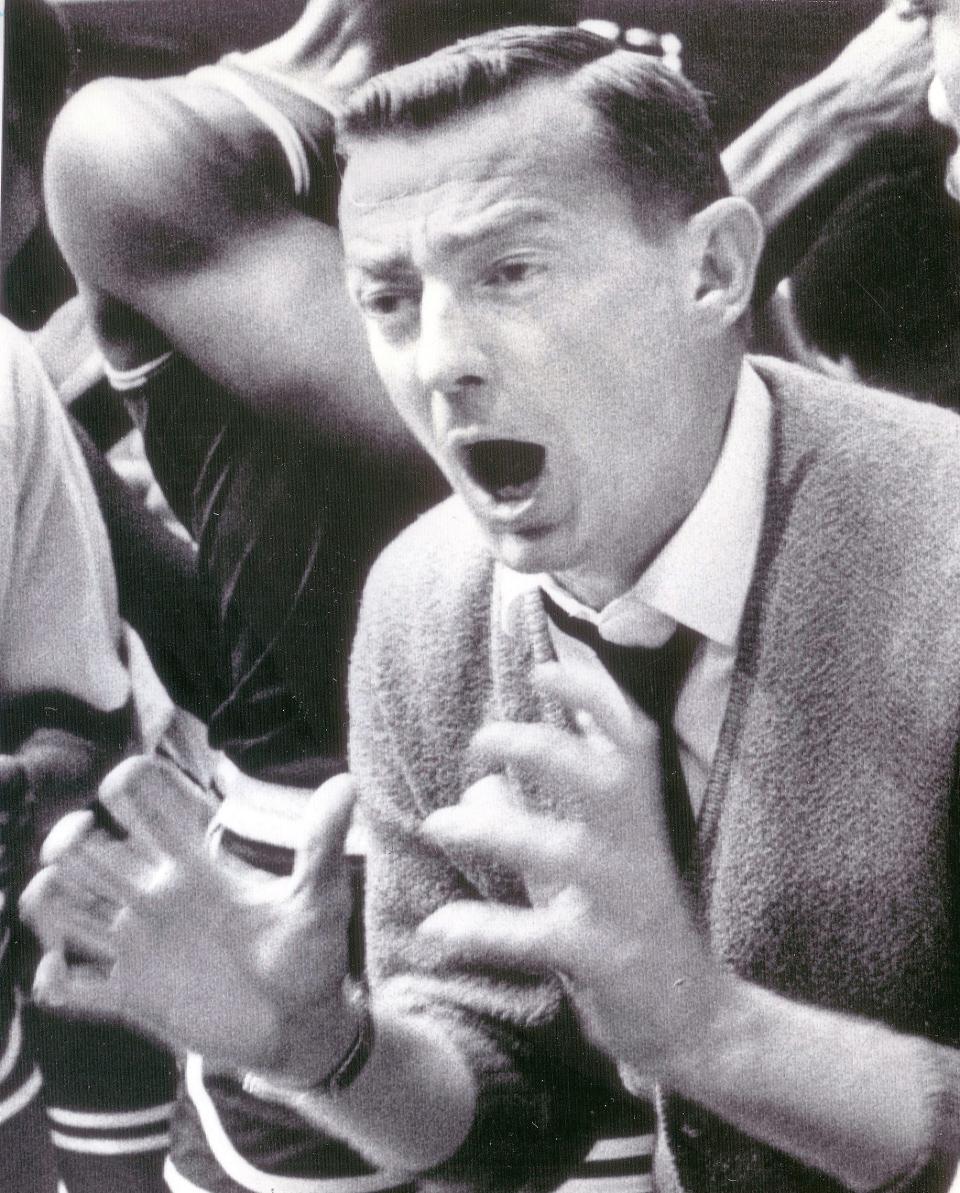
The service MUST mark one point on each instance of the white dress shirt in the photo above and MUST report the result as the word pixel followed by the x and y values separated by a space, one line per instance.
pixel 700 579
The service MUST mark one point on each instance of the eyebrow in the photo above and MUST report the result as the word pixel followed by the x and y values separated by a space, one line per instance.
pixel 491 224
pixel 391 266
pixel 395 265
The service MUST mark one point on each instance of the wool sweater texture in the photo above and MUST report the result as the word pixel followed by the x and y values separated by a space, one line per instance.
pixel 827 840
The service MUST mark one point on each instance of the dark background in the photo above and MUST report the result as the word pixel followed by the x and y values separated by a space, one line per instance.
pixel 744 52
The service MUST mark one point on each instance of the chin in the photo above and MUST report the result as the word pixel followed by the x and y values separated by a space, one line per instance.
pixel 530 554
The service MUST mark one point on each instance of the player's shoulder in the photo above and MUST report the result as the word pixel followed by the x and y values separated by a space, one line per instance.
pixel 25 391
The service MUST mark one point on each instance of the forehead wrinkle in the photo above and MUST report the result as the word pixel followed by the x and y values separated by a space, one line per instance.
pixel 391 249
pixel 492 222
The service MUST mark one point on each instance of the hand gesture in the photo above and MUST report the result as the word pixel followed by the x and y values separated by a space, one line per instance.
pixel 151 930
pixel 609 912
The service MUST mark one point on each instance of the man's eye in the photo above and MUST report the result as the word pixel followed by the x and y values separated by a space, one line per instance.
pixel 382 303
pixel 509 273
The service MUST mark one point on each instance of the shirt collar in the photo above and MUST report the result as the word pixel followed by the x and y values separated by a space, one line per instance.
pixel 701 576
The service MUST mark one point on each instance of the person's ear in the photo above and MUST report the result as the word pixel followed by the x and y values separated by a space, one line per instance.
pixel 725 240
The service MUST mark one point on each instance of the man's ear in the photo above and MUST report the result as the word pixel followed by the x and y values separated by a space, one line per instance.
pixel 726 240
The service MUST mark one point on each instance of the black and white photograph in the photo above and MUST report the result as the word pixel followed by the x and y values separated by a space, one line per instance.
pixel 479 571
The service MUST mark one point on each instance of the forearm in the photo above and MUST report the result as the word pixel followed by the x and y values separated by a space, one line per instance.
pixel 411 1107
pixel 798 143
pixel 878 82
pixel 853 1098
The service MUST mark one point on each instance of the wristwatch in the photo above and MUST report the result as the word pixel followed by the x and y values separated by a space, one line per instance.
pixel 354 1060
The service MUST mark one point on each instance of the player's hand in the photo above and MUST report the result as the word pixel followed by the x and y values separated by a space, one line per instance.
pixel 881 79
pixel 53 772
pixel 150 930
pixel 609 912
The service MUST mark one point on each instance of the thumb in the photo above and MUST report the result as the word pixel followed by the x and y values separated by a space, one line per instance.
pixel 325 826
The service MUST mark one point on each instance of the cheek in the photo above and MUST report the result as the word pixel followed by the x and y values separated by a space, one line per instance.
pixel 397 371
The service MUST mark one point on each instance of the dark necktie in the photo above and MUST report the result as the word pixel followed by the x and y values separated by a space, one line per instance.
pixel 652 676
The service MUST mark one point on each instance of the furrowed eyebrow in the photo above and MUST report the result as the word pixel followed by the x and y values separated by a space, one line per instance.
pixel 491 226
pixel 392 267
pixel 469 233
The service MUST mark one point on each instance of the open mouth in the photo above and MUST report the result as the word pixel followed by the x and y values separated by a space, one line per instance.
pixel 507 469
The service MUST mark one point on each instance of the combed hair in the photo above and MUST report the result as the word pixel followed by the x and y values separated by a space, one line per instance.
pixel 653 124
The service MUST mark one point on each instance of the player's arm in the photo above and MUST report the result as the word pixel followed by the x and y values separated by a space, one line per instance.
pixel 64 715
pixel 878 82
pixel 179 205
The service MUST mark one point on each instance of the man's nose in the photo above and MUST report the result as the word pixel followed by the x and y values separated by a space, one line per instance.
pixel 450 356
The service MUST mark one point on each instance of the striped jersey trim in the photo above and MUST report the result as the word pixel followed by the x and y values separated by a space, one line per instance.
pixel 11 1106
pixel 119 1120
pixel 177 1182
pixel 270 116
pixel 125 380
pixel 629 1146
pixel 92 1146
pixel 622 1164
pixel 254 1179
pixel 14 1044
pixel 240 61
pixel 642 1183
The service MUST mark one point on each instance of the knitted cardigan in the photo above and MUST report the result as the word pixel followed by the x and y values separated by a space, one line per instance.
pixel 827 837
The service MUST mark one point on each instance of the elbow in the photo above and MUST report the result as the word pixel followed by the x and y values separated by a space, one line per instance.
pixel 86 153
pixel 110 161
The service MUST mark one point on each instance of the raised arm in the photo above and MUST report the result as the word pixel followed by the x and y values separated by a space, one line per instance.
pixel 877 83
pixel 183 208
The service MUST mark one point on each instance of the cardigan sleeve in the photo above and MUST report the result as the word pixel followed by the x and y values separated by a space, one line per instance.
pixel 540 1087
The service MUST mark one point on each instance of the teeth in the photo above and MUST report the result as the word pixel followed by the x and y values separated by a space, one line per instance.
pixel 513 492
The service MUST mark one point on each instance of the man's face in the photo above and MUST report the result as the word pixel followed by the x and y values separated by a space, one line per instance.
pixel 530 330
pixel 945 91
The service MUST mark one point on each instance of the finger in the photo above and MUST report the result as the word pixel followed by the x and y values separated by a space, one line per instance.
pixel 544 850
pixel 597 704
pixel 492 934
pixel 104 870
pixel 153 798
pixel 555 759
pixel 82 990
pixel 325 827
pixel 65 835
pixel 60 920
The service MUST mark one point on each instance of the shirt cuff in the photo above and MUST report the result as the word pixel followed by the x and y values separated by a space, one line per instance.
pixel 939 1149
